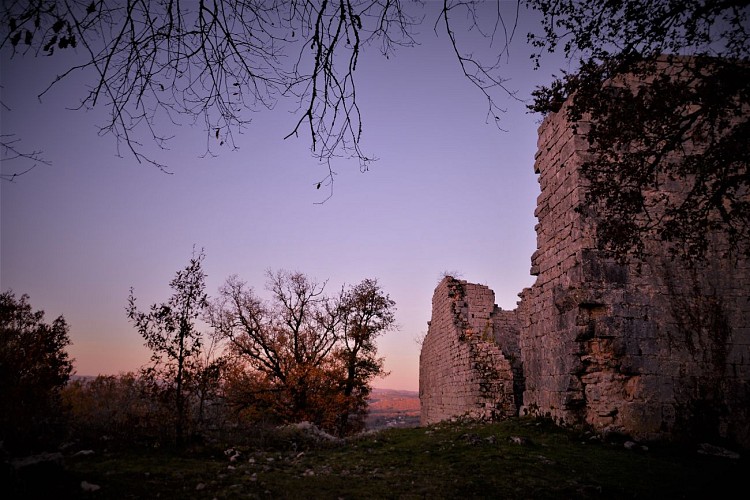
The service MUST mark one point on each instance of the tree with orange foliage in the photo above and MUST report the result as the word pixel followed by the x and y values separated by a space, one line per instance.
pixel 306 356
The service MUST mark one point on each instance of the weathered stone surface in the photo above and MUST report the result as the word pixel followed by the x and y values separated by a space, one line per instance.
pixel 652 348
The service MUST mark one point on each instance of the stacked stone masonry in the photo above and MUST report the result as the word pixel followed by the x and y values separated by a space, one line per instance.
pixel 651 348
pixel 463 370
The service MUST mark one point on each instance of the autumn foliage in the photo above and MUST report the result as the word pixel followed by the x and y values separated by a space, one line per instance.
pixel 218 366
pixel 303 355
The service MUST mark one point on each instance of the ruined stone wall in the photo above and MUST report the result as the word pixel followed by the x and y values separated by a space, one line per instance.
pixel 463 372
pixel 652 348
pixel 549 343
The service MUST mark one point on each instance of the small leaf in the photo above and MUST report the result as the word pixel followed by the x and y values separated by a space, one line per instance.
pixel 51 43
pixel 91 8
pixel 217 133
pixel 15 38
pixel 58 25
pixel 318 186
pixel 28 37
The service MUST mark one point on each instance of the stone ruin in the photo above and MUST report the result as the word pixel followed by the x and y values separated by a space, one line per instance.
pixel 650 348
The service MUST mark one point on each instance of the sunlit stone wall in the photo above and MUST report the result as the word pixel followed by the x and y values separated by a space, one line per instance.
pixel 463 372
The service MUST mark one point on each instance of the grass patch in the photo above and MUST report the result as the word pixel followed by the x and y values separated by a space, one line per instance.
pixel 518 458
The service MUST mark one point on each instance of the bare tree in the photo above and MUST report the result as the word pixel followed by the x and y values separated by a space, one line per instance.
pixel 485 18
pixel 284 339
pixel 22 160
pixel 11 153
pixel 162 61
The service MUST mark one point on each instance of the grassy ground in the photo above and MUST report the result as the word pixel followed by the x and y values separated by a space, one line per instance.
pixel 513 459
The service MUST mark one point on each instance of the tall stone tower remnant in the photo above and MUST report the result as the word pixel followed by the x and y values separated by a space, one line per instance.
pixel 650 347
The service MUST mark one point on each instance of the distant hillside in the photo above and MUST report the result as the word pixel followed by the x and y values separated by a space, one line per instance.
pixel 393 408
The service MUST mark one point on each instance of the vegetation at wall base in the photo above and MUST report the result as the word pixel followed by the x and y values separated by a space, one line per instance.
pixel 517 458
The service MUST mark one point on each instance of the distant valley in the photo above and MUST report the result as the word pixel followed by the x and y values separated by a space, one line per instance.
pixel 393 408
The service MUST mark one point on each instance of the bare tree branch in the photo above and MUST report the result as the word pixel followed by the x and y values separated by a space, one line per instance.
pixel 483 75
pixel 170 62
pixel 158 64
pixel 11 153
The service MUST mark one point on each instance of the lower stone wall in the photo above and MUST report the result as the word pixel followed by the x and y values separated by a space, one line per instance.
pixel 506 331
pixel 660 352
pixel 657 349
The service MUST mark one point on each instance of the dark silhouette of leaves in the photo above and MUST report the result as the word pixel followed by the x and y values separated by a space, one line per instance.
pixel 664 87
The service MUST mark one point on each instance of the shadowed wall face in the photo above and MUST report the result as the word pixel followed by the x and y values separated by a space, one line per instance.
pixel 652 347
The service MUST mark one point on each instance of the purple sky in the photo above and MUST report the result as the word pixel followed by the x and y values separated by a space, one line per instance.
pixel 450 192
